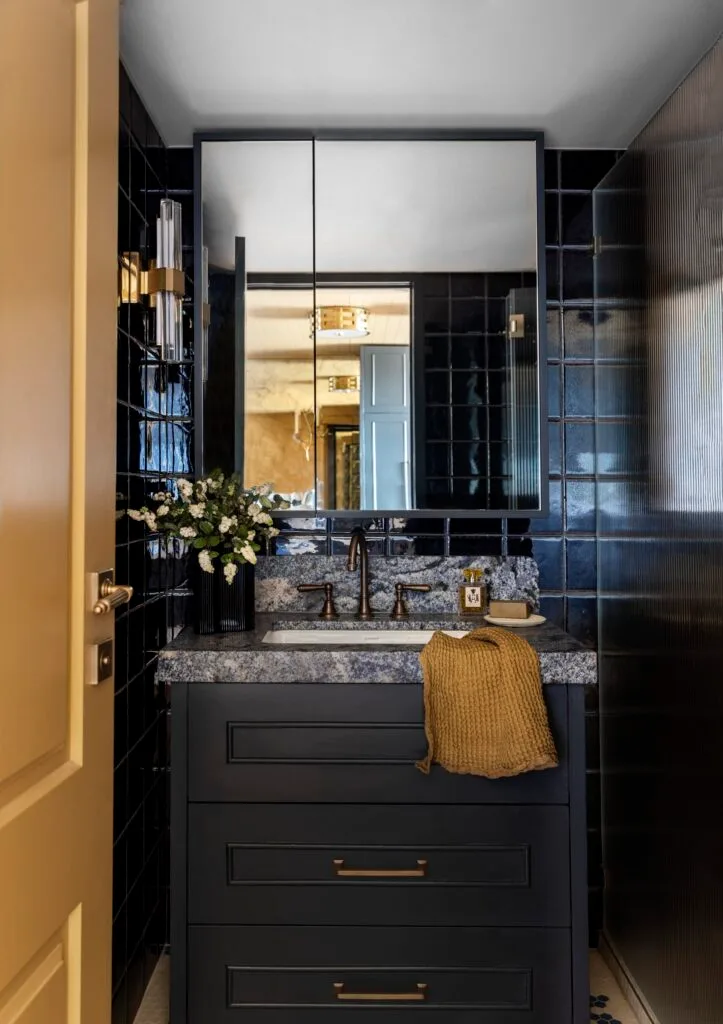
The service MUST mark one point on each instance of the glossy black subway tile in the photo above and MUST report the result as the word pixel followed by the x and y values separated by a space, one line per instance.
pixel 154 419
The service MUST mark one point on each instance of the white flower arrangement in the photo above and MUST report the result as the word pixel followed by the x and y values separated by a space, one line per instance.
pixel 217 517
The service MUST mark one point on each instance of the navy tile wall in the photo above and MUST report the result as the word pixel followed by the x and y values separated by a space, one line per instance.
pixel 660 487
pixel 155 422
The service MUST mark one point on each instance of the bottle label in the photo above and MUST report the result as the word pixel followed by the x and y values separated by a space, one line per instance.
pixel 473 597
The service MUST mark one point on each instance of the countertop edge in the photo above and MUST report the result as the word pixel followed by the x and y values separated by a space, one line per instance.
pixel 347 665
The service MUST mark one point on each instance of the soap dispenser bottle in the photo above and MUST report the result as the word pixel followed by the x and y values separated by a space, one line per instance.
pixel 472 593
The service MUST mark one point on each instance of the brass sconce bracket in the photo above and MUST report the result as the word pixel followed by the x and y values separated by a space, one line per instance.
pixel 134 282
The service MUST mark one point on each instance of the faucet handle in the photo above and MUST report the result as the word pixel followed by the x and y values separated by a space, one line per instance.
pixel 399 611
pixel 328 611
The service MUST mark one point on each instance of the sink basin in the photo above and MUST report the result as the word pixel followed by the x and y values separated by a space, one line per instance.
pixel 356 637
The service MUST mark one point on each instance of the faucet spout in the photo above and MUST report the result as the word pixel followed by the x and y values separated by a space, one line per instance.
pixel 359 555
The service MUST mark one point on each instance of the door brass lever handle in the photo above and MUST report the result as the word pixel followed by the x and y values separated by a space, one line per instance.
pixel 110 595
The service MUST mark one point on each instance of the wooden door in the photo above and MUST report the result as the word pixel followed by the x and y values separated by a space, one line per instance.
pixel 58 270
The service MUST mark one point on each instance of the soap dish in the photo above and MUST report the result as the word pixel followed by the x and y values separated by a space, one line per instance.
pixel 531 620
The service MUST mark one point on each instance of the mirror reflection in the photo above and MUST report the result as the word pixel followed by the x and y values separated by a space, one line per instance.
pixel 385 320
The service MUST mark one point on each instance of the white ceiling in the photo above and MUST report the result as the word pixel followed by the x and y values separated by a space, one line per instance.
pixel 590 73
pixel 380 207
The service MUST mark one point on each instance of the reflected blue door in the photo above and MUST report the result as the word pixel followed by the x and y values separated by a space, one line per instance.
pixel 384 425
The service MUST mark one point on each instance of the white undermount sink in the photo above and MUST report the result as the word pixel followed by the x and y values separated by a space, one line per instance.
pixel 364 637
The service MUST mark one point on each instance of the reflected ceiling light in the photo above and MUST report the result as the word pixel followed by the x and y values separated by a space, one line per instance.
pixel 344 384
pixel 341 322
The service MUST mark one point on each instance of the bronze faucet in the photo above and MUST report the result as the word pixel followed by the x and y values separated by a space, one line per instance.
pixel 358 551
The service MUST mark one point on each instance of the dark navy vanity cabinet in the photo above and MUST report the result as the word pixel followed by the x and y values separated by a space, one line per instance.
pixel 317 875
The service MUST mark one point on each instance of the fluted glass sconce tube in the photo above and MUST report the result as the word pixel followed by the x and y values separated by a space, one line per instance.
pixel 206 313
pixel 169 320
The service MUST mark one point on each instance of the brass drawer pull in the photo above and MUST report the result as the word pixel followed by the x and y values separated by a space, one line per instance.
pixel 418 872
pixel 376 997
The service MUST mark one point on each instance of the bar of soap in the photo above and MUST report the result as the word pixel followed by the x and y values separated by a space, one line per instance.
pixel 509 610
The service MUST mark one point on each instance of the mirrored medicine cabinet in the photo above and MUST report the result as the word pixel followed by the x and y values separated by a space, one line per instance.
pixel 369 321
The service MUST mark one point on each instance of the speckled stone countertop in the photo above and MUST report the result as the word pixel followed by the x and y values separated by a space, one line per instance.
pixel 244 658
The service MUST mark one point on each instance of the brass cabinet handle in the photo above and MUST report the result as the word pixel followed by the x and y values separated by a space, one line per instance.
pixel 377 997
pixel 418 872
pixel 111 596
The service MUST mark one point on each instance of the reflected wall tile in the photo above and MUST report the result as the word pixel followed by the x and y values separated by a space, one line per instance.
pixel 475 545
pixel 581 564
pixel 584 169
pixel 578 328
pixel 580 506
pixel 577 276
pixel 436 353
pixel 375 545
pixel 553 521
pixel 580 390
pixel 621 448
pixel 548 553
pixel 554 334
pixel 576 219
pixel 371 525
pixel 621 390
pixel 437 386
pixel 554 440
pixel 300 544
pixel 554 386
pixel 552 257
pixel 496 316
pixel 468 352
pixel 470 315
pixel 552 168
pixel 552 218
pixel 470 286
pixel 580 449
pixel 582 619
pixel 413 525
pixel 553 608
pixel 436 316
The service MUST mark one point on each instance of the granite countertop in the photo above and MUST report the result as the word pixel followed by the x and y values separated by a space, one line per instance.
pixel 243 657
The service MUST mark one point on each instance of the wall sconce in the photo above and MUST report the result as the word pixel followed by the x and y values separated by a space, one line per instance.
pixel 163 282
pixel 205 313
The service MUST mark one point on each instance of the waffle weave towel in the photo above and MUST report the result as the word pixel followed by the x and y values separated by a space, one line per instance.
pixel 483 705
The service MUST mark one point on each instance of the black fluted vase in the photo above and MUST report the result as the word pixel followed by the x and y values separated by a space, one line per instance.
pixel 218 606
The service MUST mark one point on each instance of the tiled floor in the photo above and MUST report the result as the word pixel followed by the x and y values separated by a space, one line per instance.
pixel 607 1003
pixel 154 1008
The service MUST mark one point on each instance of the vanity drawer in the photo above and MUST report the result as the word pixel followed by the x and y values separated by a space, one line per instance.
pixel 335 865
pixel 339 743
pixel 467 975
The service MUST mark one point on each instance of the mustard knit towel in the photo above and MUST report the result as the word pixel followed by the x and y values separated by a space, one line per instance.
pixel 484 711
